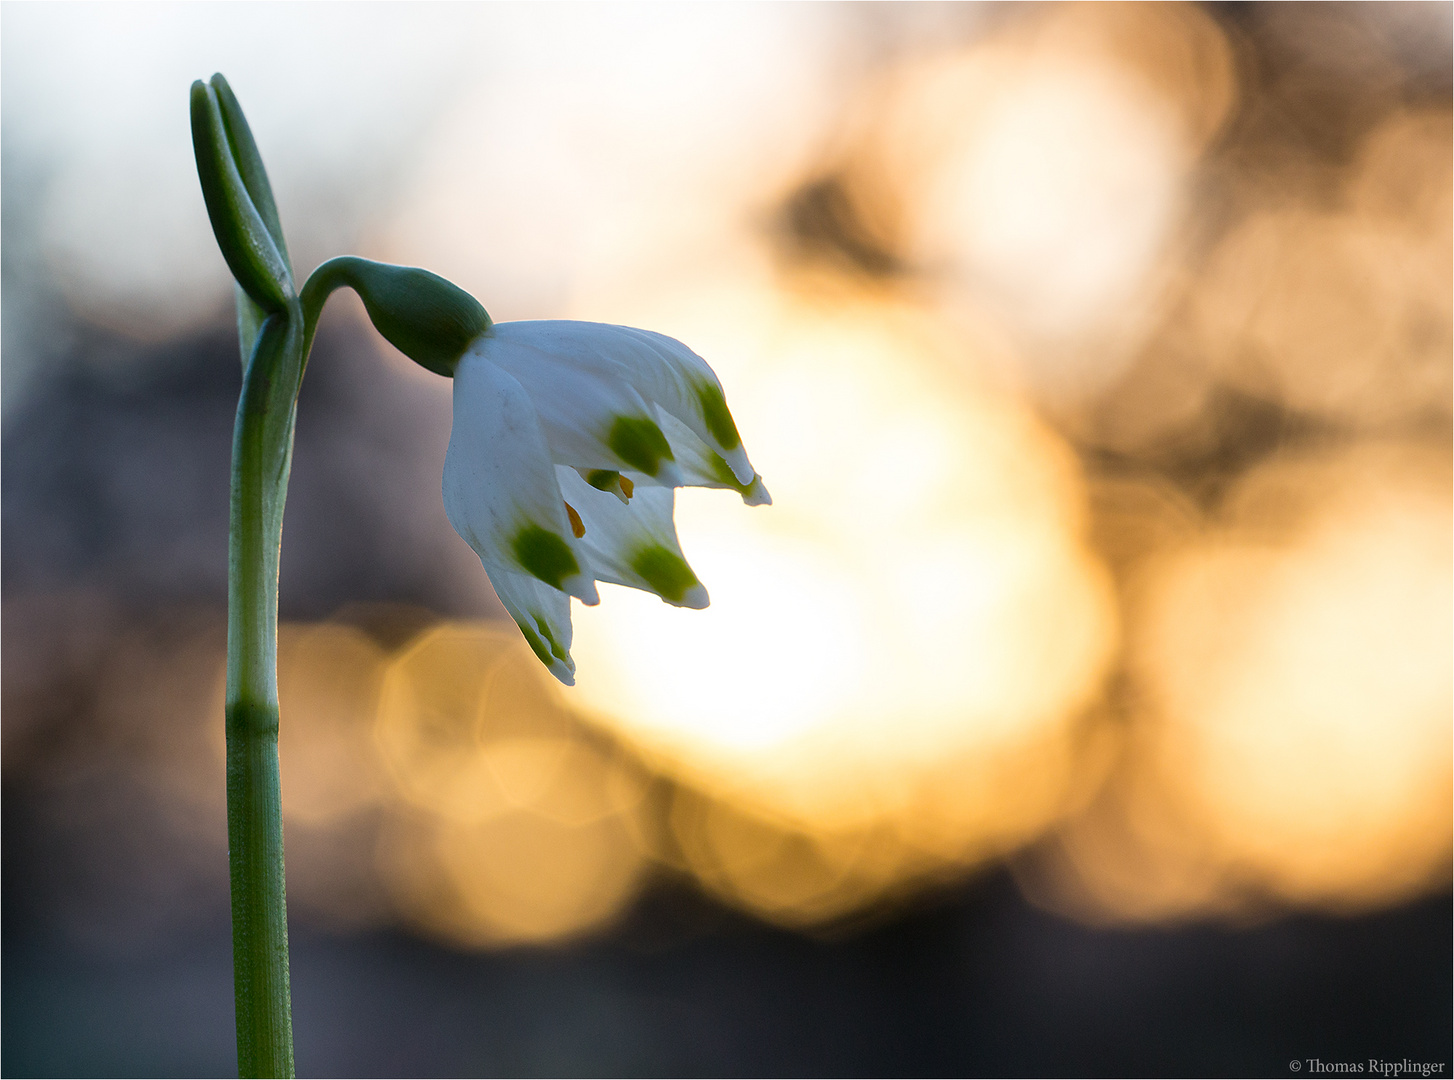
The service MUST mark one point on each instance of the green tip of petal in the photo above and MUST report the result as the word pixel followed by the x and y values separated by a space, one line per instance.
pixel 560 666
pixel 537 644
pixel 544 555
pixel 604 479
pixel 754 493
pixel 669 576
pixel 695 598
pixel 716 416
pixel 548 650
pixel 609 481
pixel 639 443
pixel 556 648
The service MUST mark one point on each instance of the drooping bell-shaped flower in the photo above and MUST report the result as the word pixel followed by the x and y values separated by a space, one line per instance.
pixel 609 418
pixel 568 441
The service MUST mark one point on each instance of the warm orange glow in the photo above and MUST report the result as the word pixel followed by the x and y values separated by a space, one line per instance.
pixel 333 783
pixel 1346 312
pixel 520 829
pixel 612 138
pixel 787 875
pixel 1306 685
pixel 1295 668
pixel 328 686
pixel 885 641
pixel 1040 175
pixel 1103 389
pixel 521 877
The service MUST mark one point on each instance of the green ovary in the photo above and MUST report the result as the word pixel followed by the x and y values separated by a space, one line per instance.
pixel 665 571
pixel 639 443
pixel 544 555
pixel 718 420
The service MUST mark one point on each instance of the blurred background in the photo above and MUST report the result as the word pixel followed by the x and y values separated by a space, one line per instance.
pixel 1082 704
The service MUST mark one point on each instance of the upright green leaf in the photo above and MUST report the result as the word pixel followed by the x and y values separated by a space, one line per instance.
pixel 244 238
pixel 249 163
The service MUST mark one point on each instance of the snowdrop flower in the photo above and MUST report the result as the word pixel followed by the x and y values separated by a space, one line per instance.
pixel 611 419
pixel 568 441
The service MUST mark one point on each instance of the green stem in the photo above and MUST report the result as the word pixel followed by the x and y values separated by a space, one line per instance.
pixel 262 450
pixel 262 454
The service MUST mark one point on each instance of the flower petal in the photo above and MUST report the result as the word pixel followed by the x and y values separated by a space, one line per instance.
pixel 682 383
pixel 500 490
pixel 608 480
pixel 634 544
pixel 653 366
pixel 543 615
pixel 704 467
pixel 590 410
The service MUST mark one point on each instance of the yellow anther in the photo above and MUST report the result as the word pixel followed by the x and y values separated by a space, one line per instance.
pixel 577 526
pixel 627 487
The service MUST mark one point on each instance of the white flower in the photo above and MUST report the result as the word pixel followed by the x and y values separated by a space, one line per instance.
pixel 568 440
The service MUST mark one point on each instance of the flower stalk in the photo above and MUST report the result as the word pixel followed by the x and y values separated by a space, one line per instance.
pixel 262 450
pixel 271 333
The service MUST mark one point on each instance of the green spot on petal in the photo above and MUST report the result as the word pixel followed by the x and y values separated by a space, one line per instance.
pixel 639 443
pixel 544 555
pixel 665 571
pixel 556 648
pixel 723 474
pixel 719 421
pixel 604 479
pixel 537 646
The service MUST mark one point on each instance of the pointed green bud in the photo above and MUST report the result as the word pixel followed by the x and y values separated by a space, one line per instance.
pixel 249 163
pixel 246 243
pixel 425 317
